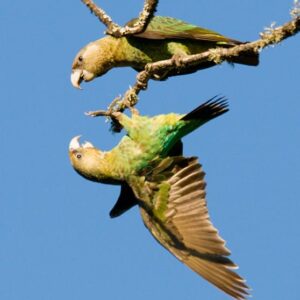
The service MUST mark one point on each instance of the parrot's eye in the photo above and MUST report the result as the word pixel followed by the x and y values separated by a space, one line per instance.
pixel 80 58
pixel 78 155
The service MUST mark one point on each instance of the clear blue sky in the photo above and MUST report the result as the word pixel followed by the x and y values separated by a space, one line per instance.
pixel 57 240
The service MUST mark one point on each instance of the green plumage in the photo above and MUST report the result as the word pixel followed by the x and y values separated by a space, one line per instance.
pixel 163 38
pixel 168 188
pixel 171 28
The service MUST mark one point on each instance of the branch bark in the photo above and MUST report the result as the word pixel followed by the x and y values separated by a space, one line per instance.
pixel 118 31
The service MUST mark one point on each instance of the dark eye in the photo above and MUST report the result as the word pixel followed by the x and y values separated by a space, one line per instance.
pixel 78 155
pixel 80 58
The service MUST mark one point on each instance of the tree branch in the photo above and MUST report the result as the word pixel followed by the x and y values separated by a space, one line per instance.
pixel 118 31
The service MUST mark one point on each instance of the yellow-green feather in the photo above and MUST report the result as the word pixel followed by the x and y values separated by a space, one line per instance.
pixel 161 200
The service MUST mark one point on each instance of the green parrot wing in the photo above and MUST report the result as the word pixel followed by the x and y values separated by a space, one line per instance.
pixel 173 208
pixel 161 28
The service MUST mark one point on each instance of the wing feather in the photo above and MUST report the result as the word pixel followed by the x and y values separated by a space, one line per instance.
pixel 184 228
pixel 170 28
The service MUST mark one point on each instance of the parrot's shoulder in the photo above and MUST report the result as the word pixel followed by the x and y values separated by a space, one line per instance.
pixel 165 24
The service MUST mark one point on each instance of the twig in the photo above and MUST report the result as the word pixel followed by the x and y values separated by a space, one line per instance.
pixel 118 31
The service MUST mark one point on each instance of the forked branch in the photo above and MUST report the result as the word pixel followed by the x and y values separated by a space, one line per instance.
pixel 118 31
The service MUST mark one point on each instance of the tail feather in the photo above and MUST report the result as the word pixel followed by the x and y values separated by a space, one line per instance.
pixel 209 110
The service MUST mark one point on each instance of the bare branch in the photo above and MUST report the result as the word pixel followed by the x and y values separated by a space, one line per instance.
pixel 118 31
pixel 100 14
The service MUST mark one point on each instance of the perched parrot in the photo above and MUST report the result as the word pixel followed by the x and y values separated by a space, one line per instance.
pixel 163 38
pixel 168 188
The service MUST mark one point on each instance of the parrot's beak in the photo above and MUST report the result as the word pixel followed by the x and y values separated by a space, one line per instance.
pixel 75 144
pixel 79 75
pixel 76 78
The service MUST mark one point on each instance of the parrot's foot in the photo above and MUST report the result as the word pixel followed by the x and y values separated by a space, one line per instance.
pixel 177 60
pixel 161 77
pixel 113 116
pixel 116 121
pixel 141 84
pixel 116 115
pixel 114 106
pixel 134 111
pixel 130 98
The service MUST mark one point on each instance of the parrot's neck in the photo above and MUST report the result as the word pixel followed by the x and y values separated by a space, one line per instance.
pixel 124 54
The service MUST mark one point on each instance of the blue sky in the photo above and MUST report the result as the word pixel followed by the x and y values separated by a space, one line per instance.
pixel 57 240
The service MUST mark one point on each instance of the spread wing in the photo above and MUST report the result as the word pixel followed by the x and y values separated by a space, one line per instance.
pixel 173 208
pixel 170 28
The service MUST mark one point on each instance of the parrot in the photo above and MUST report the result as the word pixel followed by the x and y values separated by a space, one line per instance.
pixel 163 38
pixel 169 189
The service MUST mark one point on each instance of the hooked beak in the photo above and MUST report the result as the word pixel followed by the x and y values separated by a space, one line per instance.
pixel 75 144
pixel 76 78
pixel 79 75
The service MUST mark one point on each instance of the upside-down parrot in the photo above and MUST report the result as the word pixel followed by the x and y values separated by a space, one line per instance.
pixel 168 188
pixel 163 38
